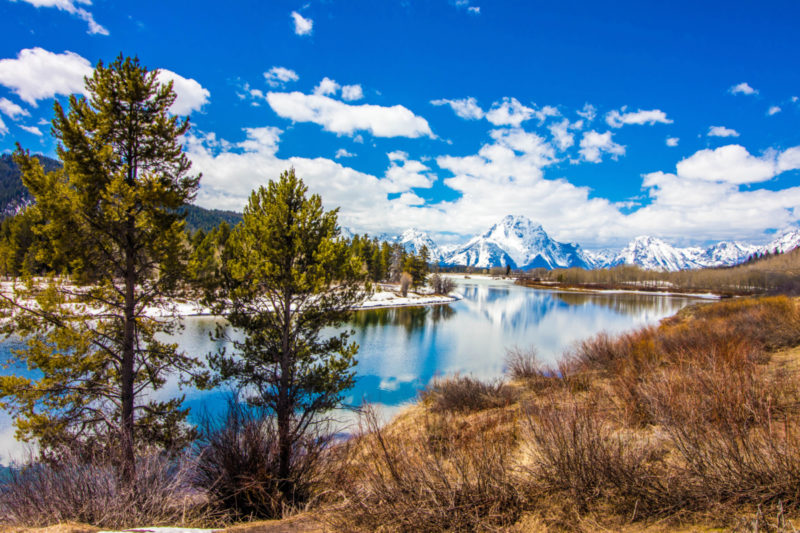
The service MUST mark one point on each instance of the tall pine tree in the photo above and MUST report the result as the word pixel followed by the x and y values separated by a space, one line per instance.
pixel 111 215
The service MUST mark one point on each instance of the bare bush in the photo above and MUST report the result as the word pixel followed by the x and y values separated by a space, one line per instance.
pixel 459 394
pixel 442 284
pixel 578 456
pixel 405 283
pixel 524 365
pixel 428 480
pixel 237 465
pixel 91 492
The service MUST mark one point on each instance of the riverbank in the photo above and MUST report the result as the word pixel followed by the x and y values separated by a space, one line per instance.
pixel 596 288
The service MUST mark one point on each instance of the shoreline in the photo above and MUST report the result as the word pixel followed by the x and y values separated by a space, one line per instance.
pixel 555 286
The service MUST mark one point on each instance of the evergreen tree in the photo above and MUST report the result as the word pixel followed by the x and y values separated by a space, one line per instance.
pixel 288 277
pixel 111 214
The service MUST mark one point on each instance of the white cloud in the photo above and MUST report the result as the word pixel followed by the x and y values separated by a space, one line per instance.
pixel 588 112
pixel 191 95
pixel 617 119
pixel 773 110
pixel 466 108
pixel 672 141
pixel 347 119
pixel 3 127
pixel 509 112
pixel 278 76
pixel 734 164
pixel 352 92
pixel 721 131
pixel 475 10
pixel 11 109
pixel 561 134
pixel 742 88
pixel 594 144
pixel 32 130
pixel 404 174
pixel 302 25
pixel 326 87
pixel 70 7
pixel 341 152
pixel 37 74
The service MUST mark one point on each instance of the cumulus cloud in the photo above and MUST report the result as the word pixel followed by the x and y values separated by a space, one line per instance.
pixel 70 7
pixel 734 164
pixel 510 112
pixel 742 88
pixel 352 92
pixel 278 76
pixel 302 25
pixel 561 134
pixel 341 152
pixel 10 109
pixel 404 174
pixel 617 119
pixel 722 131
pixel 346 119
pixel 672 141
pixel 32 130
pixel 589 112
pixel 466 108
pixel 773 110
pixel 37 74
pixel 326 87
pixel 593 145
pixel 191 96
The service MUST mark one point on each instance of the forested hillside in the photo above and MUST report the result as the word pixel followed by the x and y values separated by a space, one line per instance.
pixel 14 195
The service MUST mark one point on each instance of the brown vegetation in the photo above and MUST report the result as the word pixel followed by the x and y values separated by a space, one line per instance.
pixel 776 274
pixel 691 420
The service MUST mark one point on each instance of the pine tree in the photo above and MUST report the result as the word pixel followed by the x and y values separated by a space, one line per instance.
pixel 112 215
pixel 288 277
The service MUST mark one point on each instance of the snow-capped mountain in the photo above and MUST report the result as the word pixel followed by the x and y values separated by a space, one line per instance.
pixel 413 240
pixel 726 253
pixel 784 243
pixel 518 242
pixel 654 254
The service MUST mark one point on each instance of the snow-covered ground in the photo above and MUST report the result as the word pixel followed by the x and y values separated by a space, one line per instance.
pixel 385 295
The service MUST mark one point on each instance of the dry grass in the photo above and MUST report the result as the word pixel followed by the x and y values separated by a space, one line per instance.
pixel 442 476
pixel 464 394
pixel 92 493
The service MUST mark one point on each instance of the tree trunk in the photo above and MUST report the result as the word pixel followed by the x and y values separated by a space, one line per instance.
pixel 284 411
pixel 128 466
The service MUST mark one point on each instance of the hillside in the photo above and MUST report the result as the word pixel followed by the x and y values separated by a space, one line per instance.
pixel 14 195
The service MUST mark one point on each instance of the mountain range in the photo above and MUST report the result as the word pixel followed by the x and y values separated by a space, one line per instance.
pixel 523 244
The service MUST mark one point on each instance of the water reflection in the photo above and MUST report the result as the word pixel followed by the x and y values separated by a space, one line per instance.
pixel 409 318
pixel 402 349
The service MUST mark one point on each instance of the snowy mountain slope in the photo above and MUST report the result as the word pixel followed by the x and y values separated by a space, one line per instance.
pixel 654 254
pixel 785 243
pixel 518 242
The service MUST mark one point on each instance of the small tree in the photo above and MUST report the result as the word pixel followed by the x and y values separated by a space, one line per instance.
pixel 111 215
pixel 288 277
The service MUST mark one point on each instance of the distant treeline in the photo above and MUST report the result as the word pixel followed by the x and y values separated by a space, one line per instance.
pixel 765 274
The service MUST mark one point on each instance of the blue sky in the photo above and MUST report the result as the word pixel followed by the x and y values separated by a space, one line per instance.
pixel 602 122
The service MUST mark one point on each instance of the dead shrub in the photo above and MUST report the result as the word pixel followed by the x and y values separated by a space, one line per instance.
pixel 91 492
pixel 578 456
pixel 524 365
pixel 411 482
pixel 462 394
pixel 237 465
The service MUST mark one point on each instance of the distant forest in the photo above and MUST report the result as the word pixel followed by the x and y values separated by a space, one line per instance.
pixel 14 195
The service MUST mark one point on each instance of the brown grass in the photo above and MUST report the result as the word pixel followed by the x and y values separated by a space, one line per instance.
pixel 464 394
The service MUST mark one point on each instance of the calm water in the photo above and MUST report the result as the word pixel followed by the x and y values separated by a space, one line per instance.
pixel 402 349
